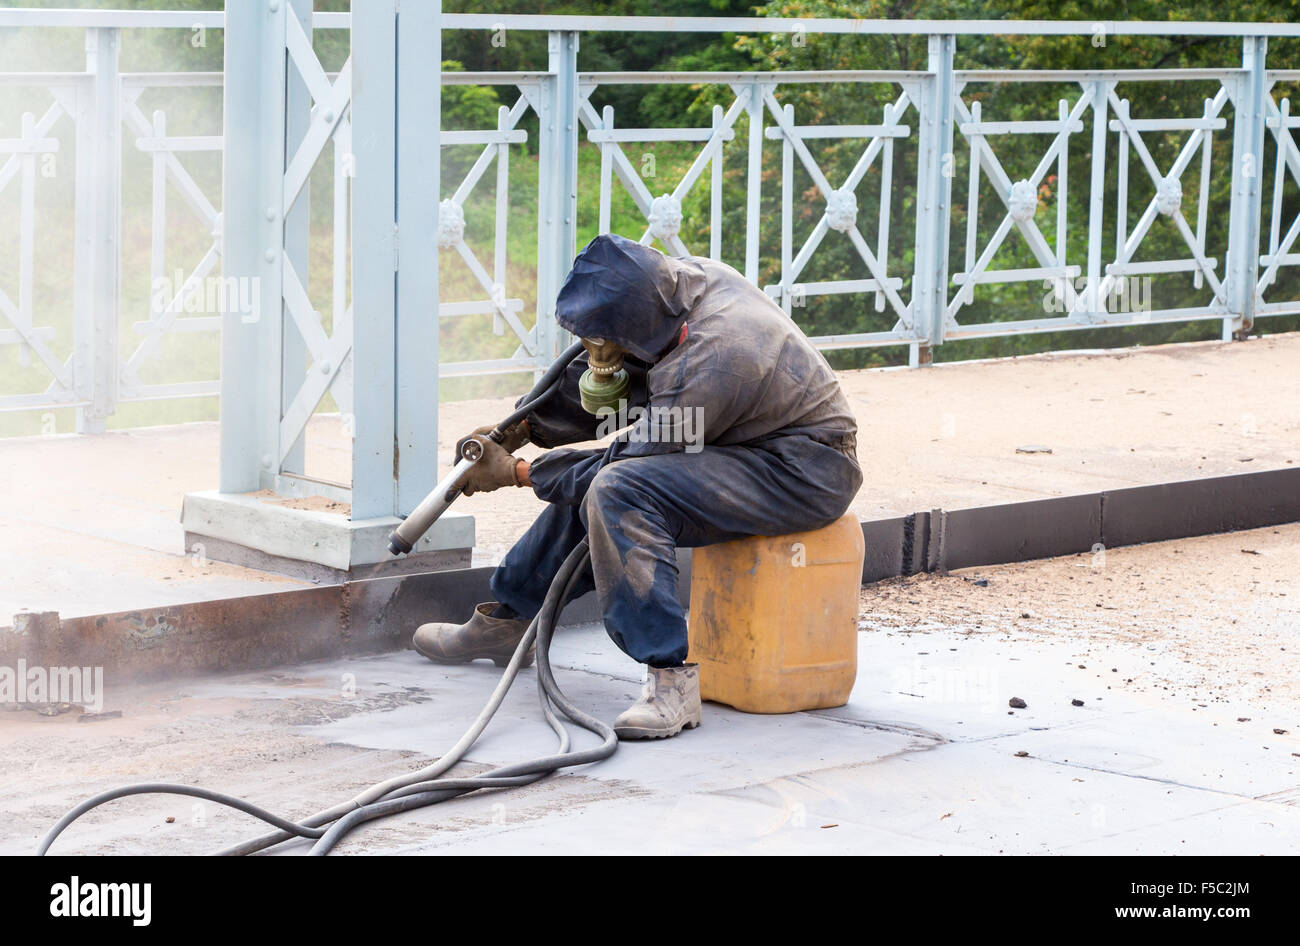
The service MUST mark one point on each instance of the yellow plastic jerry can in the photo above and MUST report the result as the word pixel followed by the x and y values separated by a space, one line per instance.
pixel 774 619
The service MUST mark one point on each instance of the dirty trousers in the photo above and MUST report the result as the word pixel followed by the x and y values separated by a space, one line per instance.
pixel 638 510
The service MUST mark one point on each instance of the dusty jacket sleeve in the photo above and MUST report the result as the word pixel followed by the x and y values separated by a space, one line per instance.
pixel 563 420
pixel 692 400
pixel 562 476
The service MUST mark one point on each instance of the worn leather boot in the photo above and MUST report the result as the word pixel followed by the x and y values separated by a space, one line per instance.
pixel 670 702
pixel 481 636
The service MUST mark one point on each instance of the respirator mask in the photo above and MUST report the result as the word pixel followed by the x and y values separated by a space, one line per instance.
pixel 605 383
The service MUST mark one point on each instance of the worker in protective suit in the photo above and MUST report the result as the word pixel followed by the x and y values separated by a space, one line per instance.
pixel 738 427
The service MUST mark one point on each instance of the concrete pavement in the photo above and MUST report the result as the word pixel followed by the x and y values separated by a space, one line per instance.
pixel 925 758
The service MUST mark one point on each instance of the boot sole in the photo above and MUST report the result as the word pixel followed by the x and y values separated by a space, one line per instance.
pixel 496 659
pixel 631 733
pixel 505 661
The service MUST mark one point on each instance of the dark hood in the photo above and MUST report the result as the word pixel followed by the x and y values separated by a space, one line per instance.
pixel 630 294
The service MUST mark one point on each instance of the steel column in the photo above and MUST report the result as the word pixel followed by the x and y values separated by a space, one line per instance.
pixel 415 356
pixel 1092 302
pixel 934 199
pixel 1247 173
pixel 557 188
pixel 297 236
pixel 252 185
pixel 374 262
pixel 99 225
pixel 83 298
pixel 543 329
pixel 754 181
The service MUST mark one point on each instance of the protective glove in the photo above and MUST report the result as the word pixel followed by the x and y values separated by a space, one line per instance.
pixel 495 469
pixel 516 437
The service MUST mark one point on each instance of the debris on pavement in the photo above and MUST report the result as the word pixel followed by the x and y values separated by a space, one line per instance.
pixel 95 717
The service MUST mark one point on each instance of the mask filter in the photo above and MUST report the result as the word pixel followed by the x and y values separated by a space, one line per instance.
pixel 605 383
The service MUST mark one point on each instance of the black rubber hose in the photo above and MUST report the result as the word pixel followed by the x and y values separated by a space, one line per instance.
pixel 341 820
pixel 544 389
pixel 438 790
pixel 545 619
pixel 421 794
pixel 169 788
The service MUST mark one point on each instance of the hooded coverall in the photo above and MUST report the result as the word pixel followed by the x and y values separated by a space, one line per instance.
pixel 743 430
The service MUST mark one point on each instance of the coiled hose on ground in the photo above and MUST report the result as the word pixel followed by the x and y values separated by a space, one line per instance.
pixel 427 786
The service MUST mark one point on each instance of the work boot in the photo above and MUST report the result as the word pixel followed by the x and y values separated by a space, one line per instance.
pixel 670 702
pixel 481 636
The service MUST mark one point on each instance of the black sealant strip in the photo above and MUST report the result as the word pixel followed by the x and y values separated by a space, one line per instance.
pixel 1066 525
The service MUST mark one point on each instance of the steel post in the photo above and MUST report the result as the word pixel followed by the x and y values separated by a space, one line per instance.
pixel 252 184
pixel 99 224
pixel 934 199
pixel 1247 174
pixel 415 356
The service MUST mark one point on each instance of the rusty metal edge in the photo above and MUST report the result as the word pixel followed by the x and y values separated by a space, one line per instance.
pixel 379 614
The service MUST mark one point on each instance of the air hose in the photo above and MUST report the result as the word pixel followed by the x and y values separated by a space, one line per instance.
pixel 427 786
pixel 422 517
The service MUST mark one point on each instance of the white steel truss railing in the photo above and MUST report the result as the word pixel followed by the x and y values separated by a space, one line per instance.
pixel 840 214
pixel 327 355
pixel 663 214
pixel 1287 166
pixel 933 113
pixel 21 163
pixel 1020 202
pixel 168 301
pixel 504 310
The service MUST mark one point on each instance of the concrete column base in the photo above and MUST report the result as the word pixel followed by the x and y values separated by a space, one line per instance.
pixel 276 533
